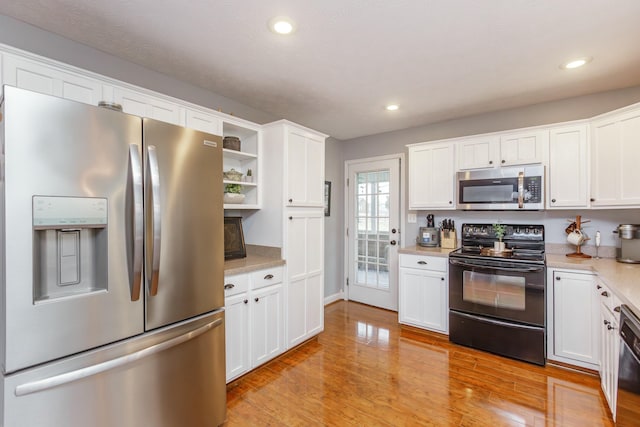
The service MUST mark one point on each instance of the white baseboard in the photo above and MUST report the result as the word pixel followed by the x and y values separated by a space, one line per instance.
pixel 333 298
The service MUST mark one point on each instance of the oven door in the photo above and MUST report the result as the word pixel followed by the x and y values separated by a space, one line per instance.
pixel 499 289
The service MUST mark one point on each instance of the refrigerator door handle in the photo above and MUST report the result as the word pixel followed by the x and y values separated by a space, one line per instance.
pixel 155 238
pixel 138 220
pixel 68 377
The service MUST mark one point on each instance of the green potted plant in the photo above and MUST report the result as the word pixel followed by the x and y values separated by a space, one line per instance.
pixel 499 230
pixel 249 176
pixel 233 193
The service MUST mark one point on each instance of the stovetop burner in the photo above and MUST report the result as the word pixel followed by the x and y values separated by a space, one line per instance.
pixel 523 242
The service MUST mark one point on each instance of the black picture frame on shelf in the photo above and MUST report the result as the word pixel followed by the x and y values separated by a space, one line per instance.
pixel 327 198
pixel 234 247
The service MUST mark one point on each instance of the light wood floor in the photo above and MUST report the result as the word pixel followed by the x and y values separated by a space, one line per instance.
pixel 366 370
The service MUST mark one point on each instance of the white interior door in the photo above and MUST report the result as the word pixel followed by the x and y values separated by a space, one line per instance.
pixel 373 232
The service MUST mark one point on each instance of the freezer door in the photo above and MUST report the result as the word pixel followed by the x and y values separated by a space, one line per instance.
pixel 184 247
pixel 69 223
pixel 171 377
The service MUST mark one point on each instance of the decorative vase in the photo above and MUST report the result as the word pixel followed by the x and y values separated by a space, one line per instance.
pixel 498 246
pixel 233 198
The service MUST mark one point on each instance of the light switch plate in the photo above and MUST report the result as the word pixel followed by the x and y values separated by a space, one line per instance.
pixel 412 218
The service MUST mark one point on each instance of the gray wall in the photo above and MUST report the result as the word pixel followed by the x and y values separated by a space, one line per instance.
pixel 334 224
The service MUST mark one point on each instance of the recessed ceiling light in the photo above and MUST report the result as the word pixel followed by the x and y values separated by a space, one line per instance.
pixel 575 63
pixel 281 25
pixel 391 107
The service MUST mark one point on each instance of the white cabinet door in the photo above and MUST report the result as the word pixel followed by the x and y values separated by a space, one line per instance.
pixel 478 152
pixel 609 351
pixel 568 166
pixel 38 77
pixel 423 299
pixel 267 329
pixel 614 166
pixel 305 258
pixel 204 122
pixel 424 292
pixel 431 176
pixel 237 335
pixel 304 177
pixel 576 316
pixel 143 105
pixel 523 147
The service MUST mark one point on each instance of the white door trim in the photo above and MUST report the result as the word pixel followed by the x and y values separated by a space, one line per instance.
pixel 403 209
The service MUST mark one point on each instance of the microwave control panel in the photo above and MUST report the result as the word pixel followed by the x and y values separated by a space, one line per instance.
pixel 532 189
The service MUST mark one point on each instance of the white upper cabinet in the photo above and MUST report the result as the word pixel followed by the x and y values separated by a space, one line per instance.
pixel 305 168
pixel 297 158
pixel 42 78
pixel 615 150
pixel 567 171
pixel 431 176
pixel 143 105
pixel 479 152
pixel 523 148
pixel 203 121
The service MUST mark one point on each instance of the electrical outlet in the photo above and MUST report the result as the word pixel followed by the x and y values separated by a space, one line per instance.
pixel 412 218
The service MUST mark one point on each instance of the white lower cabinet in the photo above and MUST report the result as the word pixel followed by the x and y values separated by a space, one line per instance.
pixel 573 335
pixel 424 292
pixel 254 320
pixel 305 284
pixel 609 343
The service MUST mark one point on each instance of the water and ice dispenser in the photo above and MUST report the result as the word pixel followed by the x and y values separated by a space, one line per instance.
pixel 70 246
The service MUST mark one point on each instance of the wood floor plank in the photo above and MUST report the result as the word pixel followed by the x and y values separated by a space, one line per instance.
pixel 367 370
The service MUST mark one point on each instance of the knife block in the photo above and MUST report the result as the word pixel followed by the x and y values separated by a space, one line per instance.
pixel 448 239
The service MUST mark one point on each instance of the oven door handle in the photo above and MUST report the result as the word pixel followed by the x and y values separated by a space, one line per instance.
pixel 512 269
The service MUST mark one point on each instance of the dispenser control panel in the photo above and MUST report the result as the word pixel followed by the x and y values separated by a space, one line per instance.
pixel 69 212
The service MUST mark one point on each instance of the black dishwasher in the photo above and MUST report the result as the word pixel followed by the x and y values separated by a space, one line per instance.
pixel 628 405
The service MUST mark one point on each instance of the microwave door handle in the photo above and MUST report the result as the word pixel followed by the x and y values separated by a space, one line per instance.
pixel 156 220
pixel 138 220
pixel 520 190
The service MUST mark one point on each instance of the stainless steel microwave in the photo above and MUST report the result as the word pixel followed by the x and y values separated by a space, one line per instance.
pixel 505 188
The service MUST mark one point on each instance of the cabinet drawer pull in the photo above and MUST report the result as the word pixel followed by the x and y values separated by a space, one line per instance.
pixel 442 278
pixel 256 299
pixel 422 262
pixel 268 277
pixel 605 294
pixel 617 309
pixel 598 287
pixel 246 301
pixel 229 286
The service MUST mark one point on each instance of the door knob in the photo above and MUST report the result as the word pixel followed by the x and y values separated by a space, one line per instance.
pixel 392 243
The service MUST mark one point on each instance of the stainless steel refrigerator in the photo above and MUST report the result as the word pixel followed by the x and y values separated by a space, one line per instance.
pixel 112 268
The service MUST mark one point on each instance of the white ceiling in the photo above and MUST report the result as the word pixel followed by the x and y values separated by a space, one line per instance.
pixel 438 59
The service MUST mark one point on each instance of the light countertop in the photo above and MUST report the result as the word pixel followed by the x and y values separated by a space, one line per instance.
pixel 258 258
pixel 421 250
pixel 250 263
pixel 622 279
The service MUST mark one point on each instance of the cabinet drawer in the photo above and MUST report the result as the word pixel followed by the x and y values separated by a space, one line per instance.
pixel 424 262
pixel 236 284
pixel 266 277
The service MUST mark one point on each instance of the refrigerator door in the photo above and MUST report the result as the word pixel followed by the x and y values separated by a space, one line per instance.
pixel 171 377
pixel 184 247
pixel 71 196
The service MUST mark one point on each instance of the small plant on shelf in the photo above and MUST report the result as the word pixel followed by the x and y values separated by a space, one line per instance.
pixel 233 193
pixel 233 188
